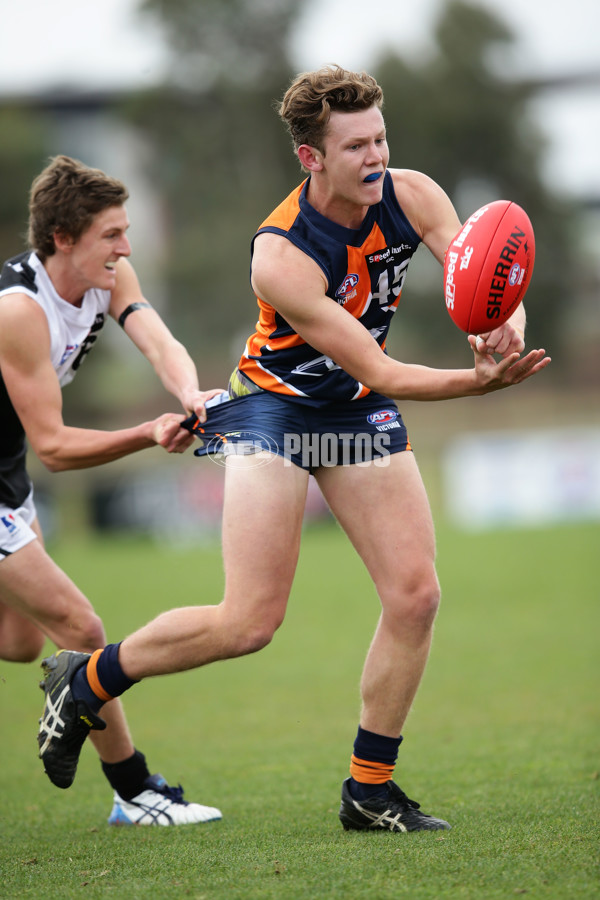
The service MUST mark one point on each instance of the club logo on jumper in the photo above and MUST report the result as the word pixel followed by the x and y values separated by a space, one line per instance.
pixel 347 289
pixel 9 523
pixel 384 420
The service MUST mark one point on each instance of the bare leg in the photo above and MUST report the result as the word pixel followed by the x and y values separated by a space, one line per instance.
pixel 262 523
pixel 38 599
pixel 20 639
pixel 385 512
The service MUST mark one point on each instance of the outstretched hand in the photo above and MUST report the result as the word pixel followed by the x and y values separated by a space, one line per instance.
pixel 511 369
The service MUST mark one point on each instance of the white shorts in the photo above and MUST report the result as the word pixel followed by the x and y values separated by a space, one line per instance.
pixel 15 527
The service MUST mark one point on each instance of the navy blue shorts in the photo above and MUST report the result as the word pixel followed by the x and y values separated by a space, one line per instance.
pixel 348 433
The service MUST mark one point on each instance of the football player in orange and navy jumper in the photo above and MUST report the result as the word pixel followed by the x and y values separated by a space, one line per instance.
pixel 364 269
pixel 315 391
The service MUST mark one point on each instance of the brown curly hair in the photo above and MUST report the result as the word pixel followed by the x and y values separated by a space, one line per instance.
pixel 313 96
pixel 64 198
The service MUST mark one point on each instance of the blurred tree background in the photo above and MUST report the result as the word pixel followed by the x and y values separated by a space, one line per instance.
pixel 218 158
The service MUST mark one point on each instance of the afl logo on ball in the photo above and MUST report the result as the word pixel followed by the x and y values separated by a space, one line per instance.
pixel 514 274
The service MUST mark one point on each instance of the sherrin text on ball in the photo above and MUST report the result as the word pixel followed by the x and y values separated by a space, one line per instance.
pixel 488 266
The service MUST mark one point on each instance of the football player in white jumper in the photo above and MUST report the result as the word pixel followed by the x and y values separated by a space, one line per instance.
pixel 54 299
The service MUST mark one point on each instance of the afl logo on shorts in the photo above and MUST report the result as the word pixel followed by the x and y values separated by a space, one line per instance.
pixel 382 417
pixel 347 289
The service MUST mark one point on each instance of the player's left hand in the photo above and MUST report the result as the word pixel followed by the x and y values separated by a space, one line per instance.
pixel 512 369
pixel 504 340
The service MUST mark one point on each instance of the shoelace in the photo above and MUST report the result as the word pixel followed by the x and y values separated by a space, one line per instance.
pixel 175 794
pixel 399 794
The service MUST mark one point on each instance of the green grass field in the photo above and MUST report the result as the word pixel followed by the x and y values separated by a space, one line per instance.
pixel 502 740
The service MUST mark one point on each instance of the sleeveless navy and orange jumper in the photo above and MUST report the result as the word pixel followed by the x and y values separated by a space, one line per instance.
pixel 365 269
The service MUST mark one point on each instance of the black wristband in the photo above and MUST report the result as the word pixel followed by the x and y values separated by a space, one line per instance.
pixel 131 308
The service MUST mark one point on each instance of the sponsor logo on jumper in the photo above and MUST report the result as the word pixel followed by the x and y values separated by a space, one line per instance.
pixel 387 253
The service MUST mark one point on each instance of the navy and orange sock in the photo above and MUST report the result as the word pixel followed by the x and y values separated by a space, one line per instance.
pixel 372 764
pixel 102 679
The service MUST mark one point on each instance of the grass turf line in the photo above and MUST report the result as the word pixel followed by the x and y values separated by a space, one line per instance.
pixel 501 740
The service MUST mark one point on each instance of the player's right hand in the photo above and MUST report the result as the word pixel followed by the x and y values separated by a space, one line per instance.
pixel 168 433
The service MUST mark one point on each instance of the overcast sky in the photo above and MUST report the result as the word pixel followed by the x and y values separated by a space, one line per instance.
pixel 80 43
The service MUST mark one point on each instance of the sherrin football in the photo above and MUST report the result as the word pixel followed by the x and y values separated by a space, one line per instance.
pixel 488 267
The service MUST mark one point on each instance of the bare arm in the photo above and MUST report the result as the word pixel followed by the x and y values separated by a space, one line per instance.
pixel 169 358
pixel 428 208
pixel 35 393
pixel 295 286
pixel 434 218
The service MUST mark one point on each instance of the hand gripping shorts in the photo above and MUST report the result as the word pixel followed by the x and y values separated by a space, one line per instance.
pixel 357 432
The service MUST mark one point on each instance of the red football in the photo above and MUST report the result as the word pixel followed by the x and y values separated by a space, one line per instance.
pixel 488 267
